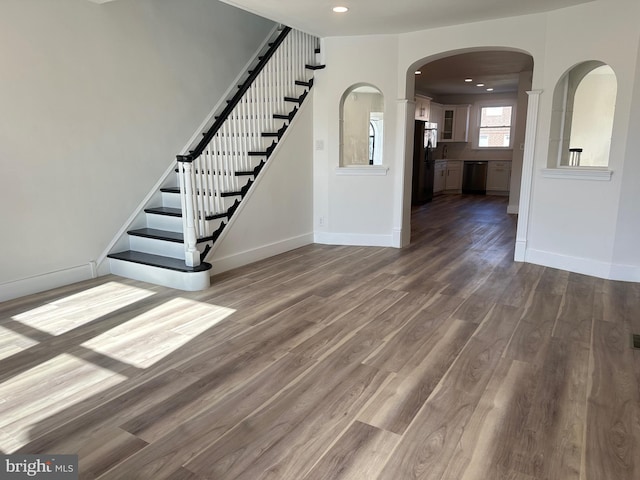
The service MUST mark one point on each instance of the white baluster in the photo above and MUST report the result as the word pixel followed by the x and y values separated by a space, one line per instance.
pixel 216 179
pixel 192 255
pixel 199 195
pixel 210 177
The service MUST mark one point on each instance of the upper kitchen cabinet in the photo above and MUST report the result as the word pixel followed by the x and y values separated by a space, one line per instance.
pixel 423 108
pixel 455 123
pixel 435 116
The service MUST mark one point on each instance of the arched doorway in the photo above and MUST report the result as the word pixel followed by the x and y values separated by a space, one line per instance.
pixel 478 99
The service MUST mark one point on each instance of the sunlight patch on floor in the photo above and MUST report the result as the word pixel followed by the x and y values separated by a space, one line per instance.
pixel 70 312
pixel 44 391
pixel 12 343
pixel 144 340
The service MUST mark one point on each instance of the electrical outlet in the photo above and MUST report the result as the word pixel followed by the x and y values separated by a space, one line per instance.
pixel 321 221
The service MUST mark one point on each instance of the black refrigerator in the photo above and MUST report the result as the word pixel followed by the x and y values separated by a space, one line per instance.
pixel 424 142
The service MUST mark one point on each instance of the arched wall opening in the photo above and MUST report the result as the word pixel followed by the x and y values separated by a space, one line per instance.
pixel 582 117
pixel 361 125
pixel 509 84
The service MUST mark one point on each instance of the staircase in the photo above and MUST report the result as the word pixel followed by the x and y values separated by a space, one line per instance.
pixel 194 209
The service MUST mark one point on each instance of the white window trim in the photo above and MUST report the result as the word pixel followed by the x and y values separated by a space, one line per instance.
pixel 475 126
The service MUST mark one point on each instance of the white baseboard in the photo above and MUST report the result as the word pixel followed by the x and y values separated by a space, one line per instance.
pixel 358 239
pixel 397 240
pixel 512 209
pixel 626 273
pixel 46 281
pixel 585 266
pixel 249 256
pixel 520 252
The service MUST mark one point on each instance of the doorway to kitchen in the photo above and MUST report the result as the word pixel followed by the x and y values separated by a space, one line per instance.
pixel 476 102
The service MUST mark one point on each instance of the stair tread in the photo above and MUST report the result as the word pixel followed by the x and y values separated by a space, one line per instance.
pixel 168 211
pixel 167 235
pixel 158 234
pixel 158 261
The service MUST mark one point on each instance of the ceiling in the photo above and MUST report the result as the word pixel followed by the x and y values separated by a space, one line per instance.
pixel 499 70
pixel 367 17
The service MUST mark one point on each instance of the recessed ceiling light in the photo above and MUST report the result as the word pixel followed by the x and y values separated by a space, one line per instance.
pixel 418 72
pixel 489 89
pixel 340 9
pixel 479 84
pixel 468 80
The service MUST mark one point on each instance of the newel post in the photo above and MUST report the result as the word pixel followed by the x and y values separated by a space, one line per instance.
pixel 191 253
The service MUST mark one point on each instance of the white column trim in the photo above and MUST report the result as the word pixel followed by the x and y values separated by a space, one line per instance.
pixel 527 174
pixel 404 149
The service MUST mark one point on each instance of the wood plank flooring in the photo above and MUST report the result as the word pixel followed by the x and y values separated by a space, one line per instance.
pixel 443 361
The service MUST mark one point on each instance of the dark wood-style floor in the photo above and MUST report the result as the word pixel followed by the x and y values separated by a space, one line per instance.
pixel 444 360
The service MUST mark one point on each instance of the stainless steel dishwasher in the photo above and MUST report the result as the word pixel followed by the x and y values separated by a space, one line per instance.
pixel 474 177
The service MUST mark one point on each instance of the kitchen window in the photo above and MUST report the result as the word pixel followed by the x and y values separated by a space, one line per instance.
pixel 494 130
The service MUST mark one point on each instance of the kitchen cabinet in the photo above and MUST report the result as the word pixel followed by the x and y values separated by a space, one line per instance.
pixel 453 178
pixel 498 177
pixel 423 108
pixel 439 176
pixel 455 123
pixel 435 114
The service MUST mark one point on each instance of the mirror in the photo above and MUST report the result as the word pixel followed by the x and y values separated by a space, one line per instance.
pixel 361 132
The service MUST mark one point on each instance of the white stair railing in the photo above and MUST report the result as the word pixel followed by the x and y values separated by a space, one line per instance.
pixel 234 146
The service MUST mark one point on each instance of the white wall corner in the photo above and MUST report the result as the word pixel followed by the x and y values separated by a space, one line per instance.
pixel 47 281
pixel 397 238
pixel 520 251
pixel 512 209
pixel 526 183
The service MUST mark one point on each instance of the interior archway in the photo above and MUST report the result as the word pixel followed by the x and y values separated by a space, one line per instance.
pixel 507 73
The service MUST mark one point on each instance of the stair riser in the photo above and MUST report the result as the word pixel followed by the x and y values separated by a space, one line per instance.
pixel 190 282
pixel 171 200
pixel 164 222
pixel 174 224
pixel 156 247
